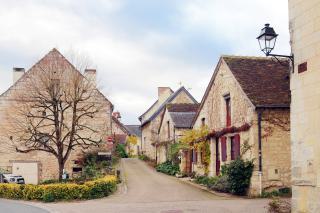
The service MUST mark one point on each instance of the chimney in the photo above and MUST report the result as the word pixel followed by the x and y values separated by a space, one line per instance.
pixel 164 93
pixel 90 75
pixel 18 72
pixel 116 115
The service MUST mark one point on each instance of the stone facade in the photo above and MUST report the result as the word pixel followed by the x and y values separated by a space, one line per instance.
pixel 275 136
pixel 47 164
pixel 304 17
pixel 150 120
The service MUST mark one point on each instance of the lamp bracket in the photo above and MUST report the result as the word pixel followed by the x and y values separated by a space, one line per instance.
pixel 276 56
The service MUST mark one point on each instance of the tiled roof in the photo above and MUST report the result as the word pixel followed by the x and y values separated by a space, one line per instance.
pixel 182 107
pixel 265 81
pixel 182 119
pixel 163 105
pixel 134 130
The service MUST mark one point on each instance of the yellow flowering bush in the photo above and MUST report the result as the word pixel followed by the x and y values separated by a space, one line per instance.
pixel 60 191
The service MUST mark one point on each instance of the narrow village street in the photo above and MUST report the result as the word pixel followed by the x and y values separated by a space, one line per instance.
pixel 149 191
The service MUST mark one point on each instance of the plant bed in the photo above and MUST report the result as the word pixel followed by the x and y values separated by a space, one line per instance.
pixel 98 188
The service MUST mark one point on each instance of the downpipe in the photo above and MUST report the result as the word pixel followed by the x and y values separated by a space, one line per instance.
pixel 260 150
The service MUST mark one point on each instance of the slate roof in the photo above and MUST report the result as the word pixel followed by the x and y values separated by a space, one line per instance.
pixel 134 130
pixel 163 105
pixel 182 107
pixel 265 81
pixel 182 119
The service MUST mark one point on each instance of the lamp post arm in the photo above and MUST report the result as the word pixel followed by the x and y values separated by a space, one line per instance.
pixel 276 56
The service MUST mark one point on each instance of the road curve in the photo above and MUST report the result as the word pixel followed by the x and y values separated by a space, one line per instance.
pixel 152 192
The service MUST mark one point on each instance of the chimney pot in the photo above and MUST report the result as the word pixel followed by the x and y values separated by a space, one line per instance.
pixel 18 72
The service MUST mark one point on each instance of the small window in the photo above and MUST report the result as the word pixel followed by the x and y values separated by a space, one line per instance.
pixel 203 121
pixel 228 110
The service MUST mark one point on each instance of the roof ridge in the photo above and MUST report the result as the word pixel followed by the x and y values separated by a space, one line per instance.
pixel 249 57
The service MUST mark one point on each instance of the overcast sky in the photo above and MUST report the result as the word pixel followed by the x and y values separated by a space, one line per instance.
pixel 138 45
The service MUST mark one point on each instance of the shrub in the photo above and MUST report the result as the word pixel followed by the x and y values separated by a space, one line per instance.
pixel 238 174
pixel 121 151
pixel 205 180
pixel 221 184
pixel 144 157
pixel 168 168
pixel 60 191
pixel 282 192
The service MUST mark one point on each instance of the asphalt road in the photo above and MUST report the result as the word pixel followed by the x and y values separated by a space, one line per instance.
pixel 9 206
pixel 151 192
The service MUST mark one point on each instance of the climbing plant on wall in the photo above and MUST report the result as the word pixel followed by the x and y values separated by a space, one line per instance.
pixel 197 139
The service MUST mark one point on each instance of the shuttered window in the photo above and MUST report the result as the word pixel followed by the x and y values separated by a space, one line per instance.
pixel 224 148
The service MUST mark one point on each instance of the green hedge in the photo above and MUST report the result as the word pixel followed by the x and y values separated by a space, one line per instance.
pixel 61 191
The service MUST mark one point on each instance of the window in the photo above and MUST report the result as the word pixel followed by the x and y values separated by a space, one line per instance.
pixel 228 110
pixel 232 143
pixel 203 121
pixel 76 169
pixel 168 126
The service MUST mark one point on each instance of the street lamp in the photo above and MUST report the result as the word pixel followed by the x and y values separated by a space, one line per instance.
pixel 267 40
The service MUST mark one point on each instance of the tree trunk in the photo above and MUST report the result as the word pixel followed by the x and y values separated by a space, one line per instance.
pixel 61 167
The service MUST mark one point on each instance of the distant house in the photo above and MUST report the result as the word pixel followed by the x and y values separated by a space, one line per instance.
pixel 37 165
pixel 150 120
pixel 174 121
pixel 134 130
pixel 119 131
pixel 248 102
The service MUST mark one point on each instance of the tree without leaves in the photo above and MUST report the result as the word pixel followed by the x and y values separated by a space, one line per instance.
pixel 55 113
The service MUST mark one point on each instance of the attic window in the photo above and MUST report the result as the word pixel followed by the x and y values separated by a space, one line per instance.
pixel 228 110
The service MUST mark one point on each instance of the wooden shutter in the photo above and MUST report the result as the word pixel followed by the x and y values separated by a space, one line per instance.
pixel 237 145
pixel 194 156
pixel 224 148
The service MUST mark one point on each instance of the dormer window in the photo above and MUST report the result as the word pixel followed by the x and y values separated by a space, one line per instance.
pixel 228 110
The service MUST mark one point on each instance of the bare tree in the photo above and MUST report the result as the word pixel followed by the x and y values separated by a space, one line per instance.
pixel 55 113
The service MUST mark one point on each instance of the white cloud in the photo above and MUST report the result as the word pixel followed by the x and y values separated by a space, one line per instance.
pixel 131 65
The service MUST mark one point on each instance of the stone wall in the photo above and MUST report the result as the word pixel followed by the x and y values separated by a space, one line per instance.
pixel 304 17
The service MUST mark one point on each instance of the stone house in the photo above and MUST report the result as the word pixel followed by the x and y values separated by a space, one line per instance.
pixel 304 22
pixel 150 120
pixel 134 130
pixel 248 102
pixel 174 121
pixel 119 131
pixel 36 165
